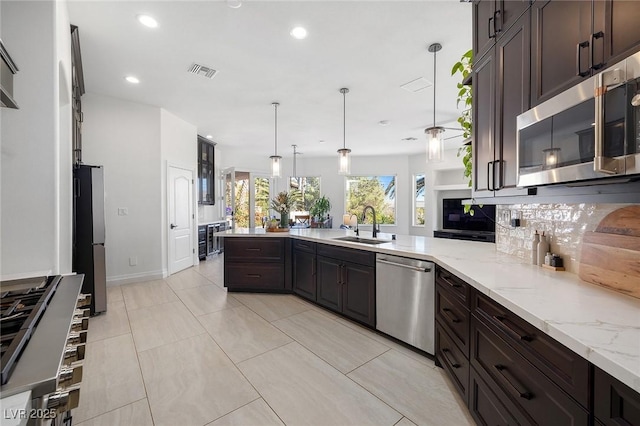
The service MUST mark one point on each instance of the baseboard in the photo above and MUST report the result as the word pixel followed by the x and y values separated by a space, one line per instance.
pixel 135 278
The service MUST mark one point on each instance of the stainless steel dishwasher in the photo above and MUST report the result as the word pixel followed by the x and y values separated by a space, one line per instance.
pixel 405 300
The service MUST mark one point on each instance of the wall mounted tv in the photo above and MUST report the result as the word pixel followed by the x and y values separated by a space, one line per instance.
pixel 454 217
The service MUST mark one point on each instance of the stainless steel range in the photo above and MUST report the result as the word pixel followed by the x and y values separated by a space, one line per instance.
pixel 43 334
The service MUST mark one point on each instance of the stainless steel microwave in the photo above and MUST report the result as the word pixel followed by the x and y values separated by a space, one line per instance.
pixel 590 131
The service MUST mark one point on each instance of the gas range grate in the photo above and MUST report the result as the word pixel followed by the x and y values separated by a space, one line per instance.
pixel 20 312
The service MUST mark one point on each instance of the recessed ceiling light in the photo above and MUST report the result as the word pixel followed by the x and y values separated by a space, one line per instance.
pixel 384 123
pixel 147 21
pixel 410 138
pixel 321 141
pixel 299 33
pixel 131 79
pixel 209 136
pixel 234 4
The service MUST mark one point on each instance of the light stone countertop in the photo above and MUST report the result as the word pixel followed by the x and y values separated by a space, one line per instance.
pixel 601 325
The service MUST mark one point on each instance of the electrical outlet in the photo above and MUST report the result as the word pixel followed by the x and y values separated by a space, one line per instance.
pixel 133 261
pixel 505 216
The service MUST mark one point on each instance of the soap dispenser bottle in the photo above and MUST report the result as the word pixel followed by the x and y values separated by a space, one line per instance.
pixel 534 248
pixel 543 248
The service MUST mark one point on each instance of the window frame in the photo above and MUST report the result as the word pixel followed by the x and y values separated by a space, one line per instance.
pixel 376 176
pixel 414 200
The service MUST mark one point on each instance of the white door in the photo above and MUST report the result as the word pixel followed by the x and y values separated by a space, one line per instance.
pixel 181 248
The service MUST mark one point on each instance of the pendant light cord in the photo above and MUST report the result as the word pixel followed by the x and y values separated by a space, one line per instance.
pixel 344 119
pixel 435 55
pixel 275 105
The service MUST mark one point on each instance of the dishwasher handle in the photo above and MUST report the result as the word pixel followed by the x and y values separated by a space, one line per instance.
pixel 402 265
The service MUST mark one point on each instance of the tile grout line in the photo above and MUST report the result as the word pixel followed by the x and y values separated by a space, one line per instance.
pixel 110 411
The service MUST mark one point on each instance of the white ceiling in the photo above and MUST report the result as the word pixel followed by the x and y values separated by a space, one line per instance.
pixel 371 47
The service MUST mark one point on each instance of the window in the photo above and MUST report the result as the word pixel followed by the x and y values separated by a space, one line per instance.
pixel 418 200
pixel 376 191
pixel 309 187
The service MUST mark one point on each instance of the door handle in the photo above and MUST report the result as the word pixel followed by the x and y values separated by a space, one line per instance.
pixel 515 387
pixel 173 226
pixel 489 27
pixel 497 14
pixel 452 362
pixel 447 312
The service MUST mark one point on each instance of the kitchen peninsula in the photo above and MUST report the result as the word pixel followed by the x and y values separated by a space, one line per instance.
pixel 599 325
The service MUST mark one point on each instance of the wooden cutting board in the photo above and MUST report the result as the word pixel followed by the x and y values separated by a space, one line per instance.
pixel 611 254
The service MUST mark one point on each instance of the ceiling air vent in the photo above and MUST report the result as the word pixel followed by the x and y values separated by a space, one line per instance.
pixel 202 70
pixel 417 85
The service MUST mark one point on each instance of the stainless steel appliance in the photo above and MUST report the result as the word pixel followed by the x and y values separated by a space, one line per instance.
pixel 405 300
pixel 44 325
pixel 89 234
pixel 591 131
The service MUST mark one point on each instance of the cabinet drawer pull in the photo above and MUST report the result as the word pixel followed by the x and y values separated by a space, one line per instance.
pixel 450 359
pixel 515 387
pixel 253 249
pixel 454 284
pixel 450 315
pixel 518 334
pixel 254 275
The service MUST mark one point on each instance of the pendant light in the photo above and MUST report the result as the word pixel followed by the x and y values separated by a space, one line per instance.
pixel 435 146
pixel 344 154
pixel 275 158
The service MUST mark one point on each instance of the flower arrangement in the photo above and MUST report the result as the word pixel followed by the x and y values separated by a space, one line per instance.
pixel 283 203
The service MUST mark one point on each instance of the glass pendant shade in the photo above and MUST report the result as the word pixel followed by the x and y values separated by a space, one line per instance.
pixel 344 165
pixel 275 165
pixel 551 157
pixel 435 144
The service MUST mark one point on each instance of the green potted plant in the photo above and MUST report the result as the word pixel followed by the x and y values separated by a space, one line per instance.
pixel 465 97
pixel 320 209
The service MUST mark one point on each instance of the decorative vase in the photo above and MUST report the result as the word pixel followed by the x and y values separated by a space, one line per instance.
pixel 284 220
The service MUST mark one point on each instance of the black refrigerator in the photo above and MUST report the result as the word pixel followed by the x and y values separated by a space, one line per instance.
pixel 88 236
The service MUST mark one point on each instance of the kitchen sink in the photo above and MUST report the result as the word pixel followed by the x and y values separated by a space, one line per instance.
pixel 362 240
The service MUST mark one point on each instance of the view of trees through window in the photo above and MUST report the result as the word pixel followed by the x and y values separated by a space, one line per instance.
pixel 261 198
pixel 376 191
pixel 309 188
pixel 418 200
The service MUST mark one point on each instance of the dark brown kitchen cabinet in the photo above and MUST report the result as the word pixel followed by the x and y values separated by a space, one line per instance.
pixel 615 404
pixel 257 264
pixel 487 408
pixel 346 282
pixel 492 19
pixel 506 371
pixel 452 328
pixel 499 97
pixel 572 40
pixel 304 269
pixel 206 172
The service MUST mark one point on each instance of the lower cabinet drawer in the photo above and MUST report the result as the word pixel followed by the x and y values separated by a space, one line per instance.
pixel 260 249
pixel 254 276
pixel 453 314
pixel 564 367
pixel 486 407
pixel 614 402
pixel 502 366
pixel 453 361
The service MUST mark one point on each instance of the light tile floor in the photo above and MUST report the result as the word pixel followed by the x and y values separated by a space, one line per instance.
pixel 182 351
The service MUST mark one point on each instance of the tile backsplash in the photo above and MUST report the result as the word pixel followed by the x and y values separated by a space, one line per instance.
pixel 565 224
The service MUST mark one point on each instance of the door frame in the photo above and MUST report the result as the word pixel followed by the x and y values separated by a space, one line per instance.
pixel 194 228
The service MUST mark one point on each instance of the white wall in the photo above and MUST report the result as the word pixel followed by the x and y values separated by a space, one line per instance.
pixel 35 164
pixel 124 137
pixel 179 148
pixel 443 180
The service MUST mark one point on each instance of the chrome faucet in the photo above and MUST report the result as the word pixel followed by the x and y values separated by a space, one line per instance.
pixel 375 224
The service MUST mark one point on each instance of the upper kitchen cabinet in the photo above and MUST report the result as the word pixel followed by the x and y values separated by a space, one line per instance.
pixel 492 19
pixel 206 183
pixel 498 98
pixel 572 40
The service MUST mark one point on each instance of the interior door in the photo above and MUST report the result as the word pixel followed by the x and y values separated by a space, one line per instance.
pixel 181 248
